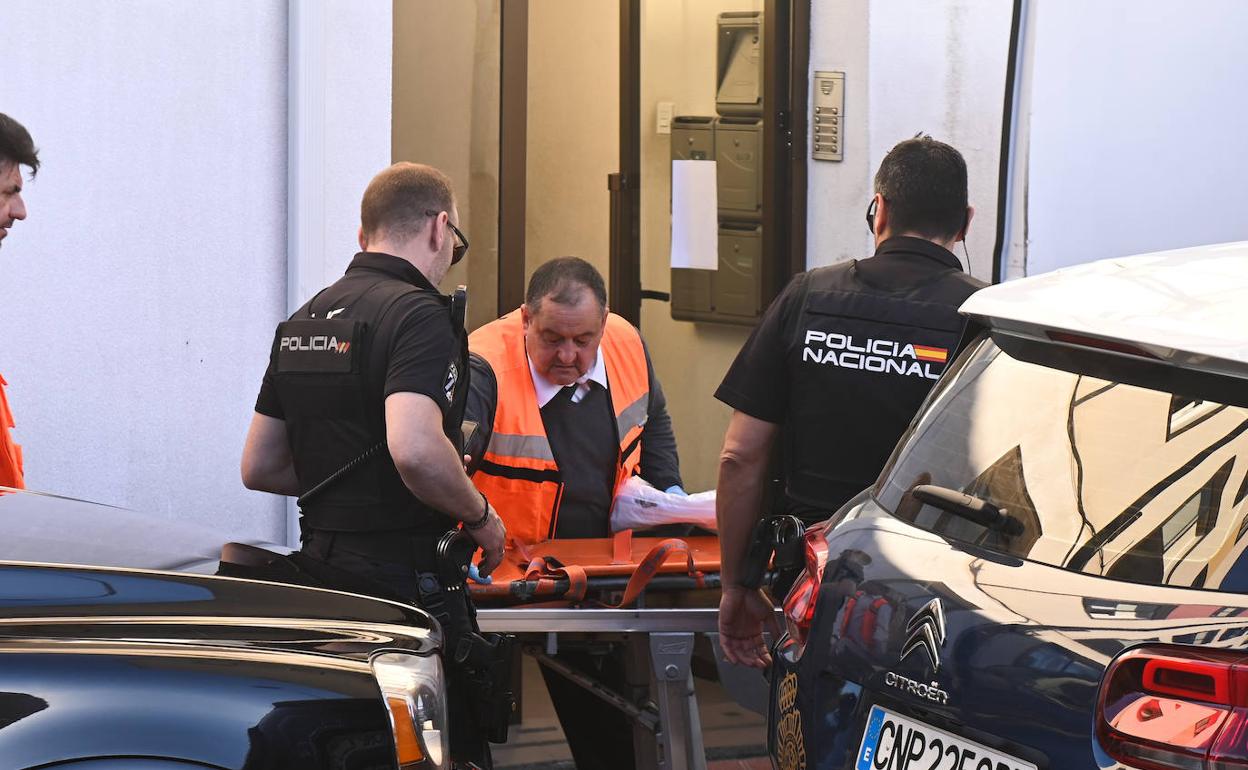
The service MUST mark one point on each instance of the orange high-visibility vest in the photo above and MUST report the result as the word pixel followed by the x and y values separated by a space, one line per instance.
pixel 10 453
pixel 518 471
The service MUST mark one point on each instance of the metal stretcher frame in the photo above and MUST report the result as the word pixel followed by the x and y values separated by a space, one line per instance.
pixel 659 647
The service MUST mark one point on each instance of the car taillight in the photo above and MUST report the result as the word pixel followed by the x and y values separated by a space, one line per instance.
pixel 1165 707
pixel 799 605
pixel 1113 346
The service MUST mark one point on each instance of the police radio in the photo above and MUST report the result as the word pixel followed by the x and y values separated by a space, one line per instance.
pixel 459 307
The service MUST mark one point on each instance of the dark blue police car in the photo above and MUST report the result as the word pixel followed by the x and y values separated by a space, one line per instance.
pixel 108 667
pixel 1051 570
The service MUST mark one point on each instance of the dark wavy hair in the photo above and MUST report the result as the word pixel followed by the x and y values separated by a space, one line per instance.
pixel 16 146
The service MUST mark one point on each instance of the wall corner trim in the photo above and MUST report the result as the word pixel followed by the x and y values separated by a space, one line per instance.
pixel 305 165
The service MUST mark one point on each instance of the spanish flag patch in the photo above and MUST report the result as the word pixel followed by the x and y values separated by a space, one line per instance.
pixel 937 355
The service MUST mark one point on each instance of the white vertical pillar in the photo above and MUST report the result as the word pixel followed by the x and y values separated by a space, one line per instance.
pixel 306 147
pixel 1014 239
pixel 339 136
pixel 305 168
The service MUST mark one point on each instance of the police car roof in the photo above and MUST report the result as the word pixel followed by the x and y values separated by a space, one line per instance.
pixel 1187 306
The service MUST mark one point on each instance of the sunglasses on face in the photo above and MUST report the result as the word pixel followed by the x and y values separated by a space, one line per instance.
pixel 461 242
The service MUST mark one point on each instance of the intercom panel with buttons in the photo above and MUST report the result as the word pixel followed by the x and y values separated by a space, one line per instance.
pixel 827 120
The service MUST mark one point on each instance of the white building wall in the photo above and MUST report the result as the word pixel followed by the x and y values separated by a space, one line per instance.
pixel 838 192
pixel 939 68
pixel 141 293
pixel 936 66
pixel 344 105
pixel 1137 128
pixel 1134 120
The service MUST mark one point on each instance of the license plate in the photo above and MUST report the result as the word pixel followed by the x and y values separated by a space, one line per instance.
pixel 893 742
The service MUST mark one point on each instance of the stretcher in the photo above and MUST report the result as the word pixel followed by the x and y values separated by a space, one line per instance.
pixel 577 571
pixel 601 589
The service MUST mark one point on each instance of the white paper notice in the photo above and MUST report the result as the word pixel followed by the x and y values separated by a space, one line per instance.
pixel 695 223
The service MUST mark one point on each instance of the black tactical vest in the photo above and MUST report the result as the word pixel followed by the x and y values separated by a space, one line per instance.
pixel 861 359
pixel 329 376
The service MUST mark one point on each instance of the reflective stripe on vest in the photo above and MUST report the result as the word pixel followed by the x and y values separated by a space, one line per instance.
pixel 518 471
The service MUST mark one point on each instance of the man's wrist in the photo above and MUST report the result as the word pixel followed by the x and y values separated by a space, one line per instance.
pixel 484 518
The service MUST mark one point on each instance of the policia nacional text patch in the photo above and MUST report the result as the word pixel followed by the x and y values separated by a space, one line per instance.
pixel 318 345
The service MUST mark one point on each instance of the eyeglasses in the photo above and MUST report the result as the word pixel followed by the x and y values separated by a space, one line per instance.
pixel 460 248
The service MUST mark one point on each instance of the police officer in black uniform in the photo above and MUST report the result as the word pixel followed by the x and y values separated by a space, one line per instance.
pixel 359 414
pixel 838 367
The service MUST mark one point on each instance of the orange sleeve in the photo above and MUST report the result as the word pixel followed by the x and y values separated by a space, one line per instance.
pixel 10 453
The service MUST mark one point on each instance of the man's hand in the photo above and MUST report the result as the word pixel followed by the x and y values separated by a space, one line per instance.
pixel 491 538
pixel 743 615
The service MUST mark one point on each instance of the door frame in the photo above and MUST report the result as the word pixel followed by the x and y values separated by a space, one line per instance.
pixel 786 52
pixel 624 256
pixel 513 130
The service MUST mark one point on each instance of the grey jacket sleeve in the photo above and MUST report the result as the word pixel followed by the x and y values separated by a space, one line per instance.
pixel 482 399
pixel 660 463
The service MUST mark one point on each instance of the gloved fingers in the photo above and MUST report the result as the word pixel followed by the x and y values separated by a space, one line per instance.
pixel 474 574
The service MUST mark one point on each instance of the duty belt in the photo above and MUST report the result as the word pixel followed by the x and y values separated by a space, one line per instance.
pixel 408 549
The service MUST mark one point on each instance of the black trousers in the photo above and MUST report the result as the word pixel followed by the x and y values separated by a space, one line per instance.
pixel 599 735
pixel 344 552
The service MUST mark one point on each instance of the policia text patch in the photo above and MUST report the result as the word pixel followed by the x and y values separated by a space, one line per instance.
pixel 874 355
pixel 316 345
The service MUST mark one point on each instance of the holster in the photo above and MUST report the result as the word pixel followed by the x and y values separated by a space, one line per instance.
pixel 777 543
pixel 487 659
pixel 483 660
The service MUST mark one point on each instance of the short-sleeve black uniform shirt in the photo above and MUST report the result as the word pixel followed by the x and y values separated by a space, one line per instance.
pixel 843 358
pixel 413 347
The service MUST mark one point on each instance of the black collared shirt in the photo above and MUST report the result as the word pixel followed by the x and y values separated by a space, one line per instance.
pixel 903 261
pixel 843 358
pixel 414 347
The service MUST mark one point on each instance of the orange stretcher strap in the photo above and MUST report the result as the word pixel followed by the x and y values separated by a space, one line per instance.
pixel 617 556
pixel 622 547
pixel 549 568
pixel 544 570
pixel 650 565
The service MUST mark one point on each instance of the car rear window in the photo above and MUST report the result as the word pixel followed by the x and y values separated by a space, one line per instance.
pixel 1105 478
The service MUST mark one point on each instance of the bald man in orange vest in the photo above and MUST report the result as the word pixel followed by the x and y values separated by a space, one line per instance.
pixel 567 408
pixel 16 150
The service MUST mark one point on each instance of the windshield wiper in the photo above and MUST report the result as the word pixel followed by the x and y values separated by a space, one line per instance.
pixel 973 509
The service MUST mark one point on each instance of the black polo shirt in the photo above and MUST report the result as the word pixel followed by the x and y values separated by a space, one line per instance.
pixel 844 357
pixel 414 349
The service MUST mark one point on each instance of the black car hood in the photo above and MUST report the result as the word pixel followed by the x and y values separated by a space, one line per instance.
pixel 121 598
pixel 50 603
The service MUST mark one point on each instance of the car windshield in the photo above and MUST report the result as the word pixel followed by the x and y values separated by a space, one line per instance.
pixel 1104 478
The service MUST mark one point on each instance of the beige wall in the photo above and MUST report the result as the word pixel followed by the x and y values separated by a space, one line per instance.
pixel 446 68
pixel 573 144
pixel 678 65
pixel 573 129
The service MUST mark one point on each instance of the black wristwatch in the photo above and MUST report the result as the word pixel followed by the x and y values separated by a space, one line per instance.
pixel 485 516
